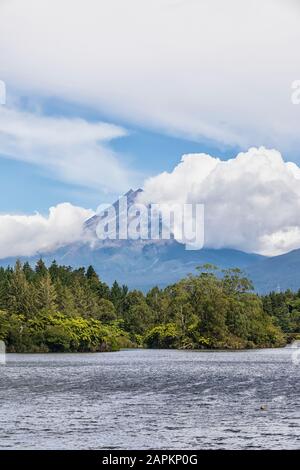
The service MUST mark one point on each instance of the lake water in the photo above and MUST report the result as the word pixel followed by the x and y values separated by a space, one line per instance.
pixel 139 399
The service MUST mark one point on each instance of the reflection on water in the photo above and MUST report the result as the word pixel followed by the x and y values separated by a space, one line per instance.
pixel 150 399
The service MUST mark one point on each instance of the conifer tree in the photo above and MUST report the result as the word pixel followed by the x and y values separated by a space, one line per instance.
pixel 46 294
pixel 20 292
pixel 40 268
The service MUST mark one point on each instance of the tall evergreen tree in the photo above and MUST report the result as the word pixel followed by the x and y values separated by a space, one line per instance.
pixel 40 268
pixel 20 293
pixel 29 272
pixel 46 294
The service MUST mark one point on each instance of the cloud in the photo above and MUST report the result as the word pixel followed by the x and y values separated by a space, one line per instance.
pixel 72 150
pixel 26 235
pixel 202 69
pixel 252 201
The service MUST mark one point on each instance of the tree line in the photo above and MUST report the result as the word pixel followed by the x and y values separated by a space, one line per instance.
pixel 58 308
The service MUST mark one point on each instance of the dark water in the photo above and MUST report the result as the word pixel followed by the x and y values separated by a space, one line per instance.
pixel 150 399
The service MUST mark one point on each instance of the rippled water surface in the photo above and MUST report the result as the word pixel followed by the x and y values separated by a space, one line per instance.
pixel 150 399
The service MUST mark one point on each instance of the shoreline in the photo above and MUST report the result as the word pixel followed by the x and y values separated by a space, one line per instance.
pixel 52 353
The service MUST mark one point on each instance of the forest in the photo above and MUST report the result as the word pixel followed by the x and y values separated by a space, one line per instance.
pixel 60 309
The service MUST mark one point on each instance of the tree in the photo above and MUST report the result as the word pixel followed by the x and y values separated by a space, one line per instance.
pixel 137 314
pixel 118 295
pixel 54 271
pixel 159 303
pixel 65 299
pixel 180 309
pixel 234 282
pixel 91 274
pixel 98 287
pixel 163 336
pixel 105 312
pixel 209 303
pixel 5 277
pixel 20 293
pixel 40 268
pixel 29 272
pixel 65 309
pixel 46 294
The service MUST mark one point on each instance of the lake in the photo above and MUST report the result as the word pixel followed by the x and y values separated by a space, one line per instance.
pixel 159 399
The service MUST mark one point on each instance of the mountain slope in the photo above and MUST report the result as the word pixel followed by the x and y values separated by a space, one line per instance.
pixel 143 266
pixel 276 273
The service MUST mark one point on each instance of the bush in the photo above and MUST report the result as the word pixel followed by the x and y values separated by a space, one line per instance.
pixel 163 336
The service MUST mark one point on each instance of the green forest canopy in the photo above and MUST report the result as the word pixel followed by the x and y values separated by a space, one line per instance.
pixel 59 309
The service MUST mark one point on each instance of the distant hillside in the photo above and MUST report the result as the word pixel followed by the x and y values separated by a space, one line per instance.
pixel 142 266
pixel 276 273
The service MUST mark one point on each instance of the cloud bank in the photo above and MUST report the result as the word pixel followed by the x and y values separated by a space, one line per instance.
pixel 72 150
pixel 252 202
pixel 197 68
pixel 26 235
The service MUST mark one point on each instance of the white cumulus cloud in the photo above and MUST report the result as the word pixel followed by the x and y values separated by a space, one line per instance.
pixel 26 235
pixel 70 149
pixel 252 201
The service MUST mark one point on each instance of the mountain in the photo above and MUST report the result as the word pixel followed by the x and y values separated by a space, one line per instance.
pixel 276 273
pixel 131 198
pixel 142 264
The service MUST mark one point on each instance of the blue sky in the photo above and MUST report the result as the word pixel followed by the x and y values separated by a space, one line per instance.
pixel 28 188
pixel 98 102
pixel 168 81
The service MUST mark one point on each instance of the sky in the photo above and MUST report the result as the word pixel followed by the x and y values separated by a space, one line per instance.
pixel 107 95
